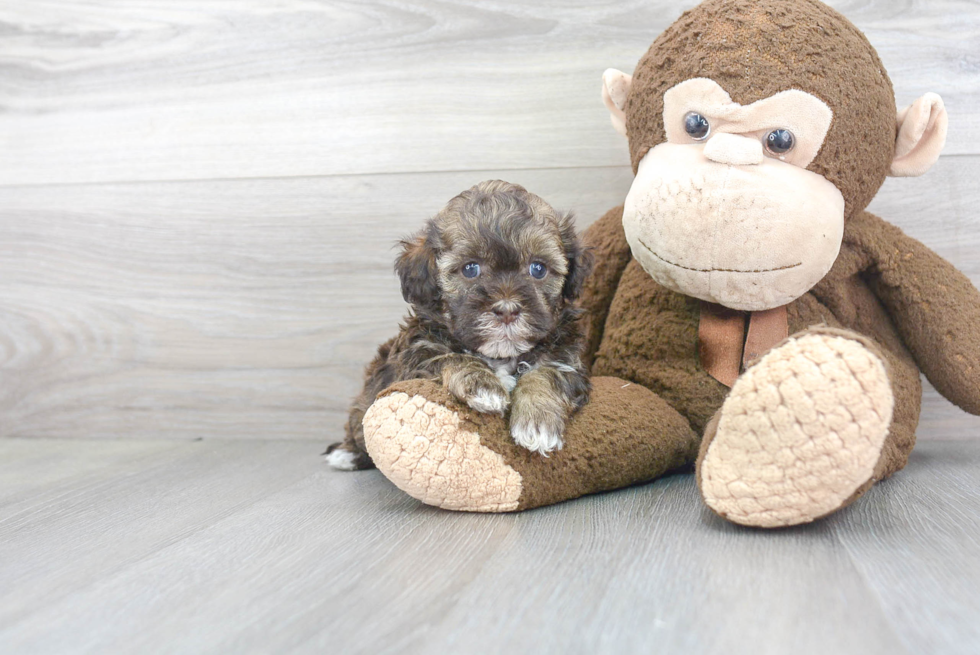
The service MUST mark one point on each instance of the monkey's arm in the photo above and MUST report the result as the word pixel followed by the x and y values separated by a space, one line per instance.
pixel 612 253
pixel 934 306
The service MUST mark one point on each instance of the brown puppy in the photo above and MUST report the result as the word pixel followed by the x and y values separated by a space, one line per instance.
pixel 492 280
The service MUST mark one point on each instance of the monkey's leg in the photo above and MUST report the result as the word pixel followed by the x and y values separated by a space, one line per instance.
pixel 442 452
pixel 803 433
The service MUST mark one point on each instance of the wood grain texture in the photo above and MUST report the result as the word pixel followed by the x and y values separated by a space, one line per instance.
pixel 915 541
pixel 248 309
pixel 27 470
pixel 70 522
pixel 151 556
pixel 203 89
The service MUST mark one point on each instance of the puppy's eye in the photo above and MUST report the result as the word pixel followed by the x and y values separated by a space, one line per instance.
pixel 696 126
pixel 471 270
pixel 779 142
pixel 537 270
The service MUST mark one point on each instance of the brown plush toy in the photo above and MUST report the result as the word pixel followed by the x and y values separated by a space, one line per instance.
pixel 746 313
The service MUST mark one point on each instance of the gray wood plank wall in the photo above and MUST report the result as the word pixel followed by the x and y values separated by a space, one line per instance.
pixel 198 199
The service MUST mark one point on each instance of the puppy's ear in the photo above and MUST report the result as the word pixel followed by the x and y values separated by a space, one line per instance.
pixel 416 267
pixel 580 259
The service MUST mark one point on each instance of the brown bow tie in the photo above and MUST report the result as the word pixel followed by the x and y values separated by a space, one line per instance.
pixel 725 348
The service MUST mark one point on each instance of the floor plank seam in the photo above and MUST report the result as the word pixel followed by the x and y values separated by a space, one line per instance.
pixel 326 176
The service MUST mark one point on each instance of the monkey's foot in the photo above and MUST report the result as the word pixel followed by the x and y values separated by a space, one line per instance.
pixel 428 451
pixel 800 433
pixel 438 450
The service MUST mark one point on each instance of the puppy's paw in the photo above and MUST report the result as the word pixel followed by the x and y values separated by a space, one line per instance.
pixel 481 390
pixel 489 401
pixel 342 460
pixel 537 427
pixel 342 457
pixel 541 436
pixel 539 412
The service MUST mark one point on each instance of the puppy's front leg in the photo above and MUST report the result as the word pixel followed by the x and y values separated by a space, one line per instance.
pixel 472 381
pixel 542 402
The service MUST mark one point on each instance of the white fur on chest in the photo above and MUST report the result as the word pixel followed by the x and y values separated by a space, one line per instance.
pixel 509 370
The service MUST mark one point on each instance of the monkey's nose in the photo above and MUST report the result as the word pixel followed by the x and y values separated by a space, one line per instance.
pixel 507 312
pixel 734 150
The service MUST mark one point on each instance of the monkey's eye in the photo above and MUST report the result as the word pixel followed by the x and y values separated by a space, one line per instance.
pixel 696 126
pixel 779 142
pixel 537 270
pixel 471 270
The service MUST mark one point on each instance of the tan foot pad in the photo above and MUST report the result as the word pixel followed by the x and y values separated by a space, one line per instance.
pixel 419 445
pixel 800 433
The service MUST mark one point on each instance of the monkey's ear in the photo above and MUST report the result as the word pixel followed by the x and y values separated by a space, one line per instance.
pixel 416 268
pixel 921 136
pixel 615 89
pixel 580 259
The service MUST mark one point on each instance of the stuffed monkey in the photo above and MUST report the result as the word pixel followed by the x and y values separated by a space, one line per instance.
pixel 746 315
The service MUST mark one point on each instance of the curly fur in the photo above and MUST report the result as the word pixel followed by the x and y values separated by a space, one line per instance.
pixel 501 340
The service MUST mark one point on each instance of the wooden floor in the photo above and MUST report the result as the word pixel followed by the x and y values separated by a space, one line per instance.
pixel 256 547
pixel 198 202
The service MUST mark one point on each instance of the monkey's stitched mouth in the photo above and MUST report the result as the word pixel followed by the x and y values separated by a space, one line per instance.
pixel 716 270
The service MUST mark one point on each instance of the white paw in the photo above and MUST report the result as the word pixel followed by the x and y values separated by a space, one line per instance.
pixel 536 436
pixel 342 460
pixel 489 402
pixel 509 381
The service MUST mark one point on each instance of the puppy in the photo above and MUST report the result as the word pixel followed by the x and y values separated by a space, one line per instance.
pixel 492 280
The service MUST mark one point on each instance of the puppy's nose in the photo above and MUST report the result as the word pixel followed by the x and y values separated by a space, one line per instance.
pixel 507 312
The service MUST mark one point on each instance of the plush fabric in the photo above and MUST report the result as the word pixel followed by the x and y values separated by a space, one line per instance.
pixel 750 237
pixel 806 116
pixel 460 474
pixel 650 333
pixel 799 428
pixel 726 345
pixel 442 452
pixel 800 433
pixel 612 255
pixel 757 48
pixel 915 151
